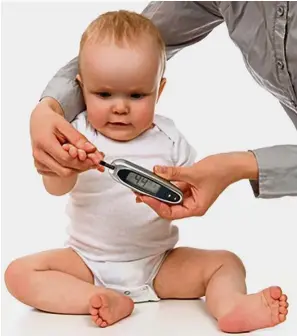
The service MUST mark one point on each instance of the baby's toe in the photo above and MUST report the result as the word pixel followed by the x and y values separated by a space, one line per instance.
pixel 283 310
pixel 99 321
pixel 275 292
pixel 96 302
pixel 103 324
pixel 93 311
pixel 284 304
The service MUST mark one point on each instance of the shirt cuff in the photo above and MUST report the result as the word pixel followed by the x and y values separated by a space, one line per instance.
pixel 68 94
pixel 277 171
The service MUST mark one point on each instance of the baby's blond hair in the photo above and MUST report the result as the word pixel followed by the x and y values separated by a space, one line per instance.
pixel 123 26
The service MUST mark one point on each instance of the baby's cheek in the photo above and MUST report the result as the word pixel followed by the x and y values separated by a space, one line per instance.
pixel 144 118
pixel 97 118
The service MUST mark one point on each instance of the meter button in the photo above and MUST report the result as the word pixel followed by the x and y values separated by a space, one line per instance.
pixel 169 195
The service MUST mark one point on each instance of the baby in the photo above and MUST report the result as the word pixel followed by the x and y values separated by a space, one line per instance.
pixel 118 251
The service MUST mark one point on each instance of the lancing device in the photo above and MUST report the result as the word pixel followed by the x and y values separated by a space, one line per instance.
pixel 143 181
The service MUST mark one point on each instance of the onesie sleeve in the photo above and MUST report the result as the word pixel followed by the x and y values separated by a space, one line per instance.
pixel 183 153
pixel 81 124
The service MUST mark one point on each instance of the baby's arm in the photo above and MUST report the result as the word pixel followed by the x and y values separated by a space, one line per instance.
pixel 58 186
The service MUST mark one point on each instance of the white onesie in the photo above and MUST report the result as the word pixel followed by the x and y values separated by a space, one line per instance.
pixel 122 242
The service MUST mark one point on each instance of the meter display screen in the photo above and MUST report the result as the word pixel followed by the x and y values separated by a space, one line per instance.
pixel 143 182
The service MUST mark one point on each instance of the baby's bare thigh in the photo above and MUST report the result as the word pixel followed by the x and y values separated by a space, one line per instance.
pixel 186 272
pixel 62 260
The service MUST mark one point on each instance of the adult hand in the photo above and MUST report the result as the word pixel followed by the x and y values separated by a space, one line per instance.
pixel 203 182
pixel 49 131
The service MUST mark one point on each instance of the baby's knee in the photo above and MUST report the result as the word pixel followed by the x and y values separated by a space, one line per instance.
pixel 230 258
pixel 15 275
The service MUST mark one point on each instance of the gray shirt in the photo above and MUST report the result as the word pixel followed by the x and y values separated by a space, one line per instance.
pixel 266 34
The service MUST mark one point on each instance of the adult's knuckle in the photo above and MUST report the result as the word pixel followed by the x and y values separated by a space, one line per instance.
pixel 174 172
pixel 202 211
pixel 36 153
pixel 39 171
pixel 65 158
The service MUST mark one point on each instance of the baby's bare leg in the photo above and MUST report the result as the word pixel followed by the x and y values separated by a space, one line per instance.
pixel 55 281
pixel 58 281
pixel 220 276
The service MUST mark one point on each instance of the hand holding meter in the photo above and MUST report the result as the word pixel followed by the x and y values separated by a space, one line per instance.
pixel 143 181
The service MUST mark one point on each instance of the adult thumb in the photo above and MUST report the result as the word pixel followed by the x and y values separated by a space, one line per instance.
pixel 173 173
pixel 75 137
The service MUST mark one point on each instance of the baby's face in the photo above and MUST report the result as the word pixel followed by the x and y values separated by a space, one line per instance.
pixel 121 86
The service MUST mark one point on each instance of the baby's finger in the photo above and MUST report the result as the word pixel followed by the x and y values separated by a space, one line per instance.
pixel 66 147
pixel 96 158
pixel 73 152
pixel 82 155
pixel 70 149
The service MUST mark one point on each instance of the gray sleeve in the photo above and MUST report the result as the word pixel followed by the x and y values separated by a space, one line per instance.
pixel 183 23
pixel 277 168
pixel 66 90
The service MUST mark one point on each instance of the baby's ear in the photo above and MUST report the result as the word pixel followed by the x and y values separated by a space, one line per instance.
pixel 161 87
pixel 78 78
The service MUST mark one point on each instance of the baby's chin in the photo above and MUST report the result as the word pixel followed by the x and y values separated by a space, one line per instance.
pixel 123 135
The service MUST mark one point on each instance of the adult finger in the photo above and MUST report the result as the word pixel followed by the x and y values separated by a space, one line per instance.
pixel 96 158
pixel 45 162
pixel 62 157
pixel 173 173
pixel 75 138
pixel 46 173
pixel 167 211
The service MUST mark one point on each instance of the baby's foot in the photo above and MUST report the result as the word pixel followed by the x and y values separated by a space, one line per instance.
pixel 108 307
pixel 256 311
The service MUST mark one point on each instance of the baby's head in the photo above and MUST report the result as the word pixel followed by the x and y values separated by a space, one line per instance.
pixel 121 66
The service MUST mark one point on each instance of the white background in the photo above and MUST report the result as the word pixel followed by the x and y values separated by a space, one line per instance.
pixel 216 104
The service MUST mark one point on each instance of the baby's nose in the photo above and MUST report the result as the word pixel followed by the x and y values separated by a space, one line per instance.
pixel 121 107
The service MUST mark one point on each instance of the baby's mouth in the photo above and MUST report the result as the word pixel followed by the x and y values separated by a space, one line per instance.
pixel 118 124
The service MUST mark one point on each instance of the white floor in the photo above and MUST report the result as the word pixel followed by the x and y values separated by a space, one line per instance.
pixel 166 318
pixel 264 238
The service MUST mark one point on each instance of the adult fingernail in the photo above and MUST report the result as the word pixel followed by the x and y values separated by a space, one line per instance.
pixel 88 146
pixel 160 169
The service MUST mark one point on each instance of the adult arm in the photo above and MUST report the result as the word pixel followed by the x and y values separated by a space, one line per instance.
pixel 181 23
pixel 277 168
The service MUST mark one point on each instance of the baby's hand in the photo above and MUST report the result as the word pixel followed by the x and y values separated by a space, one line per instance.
pixel 75 152
pixel 82 156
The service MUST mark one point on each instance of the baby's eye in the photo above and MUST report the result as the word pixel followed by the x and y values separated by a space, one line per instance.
pixel 137 95
pixel 104 94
